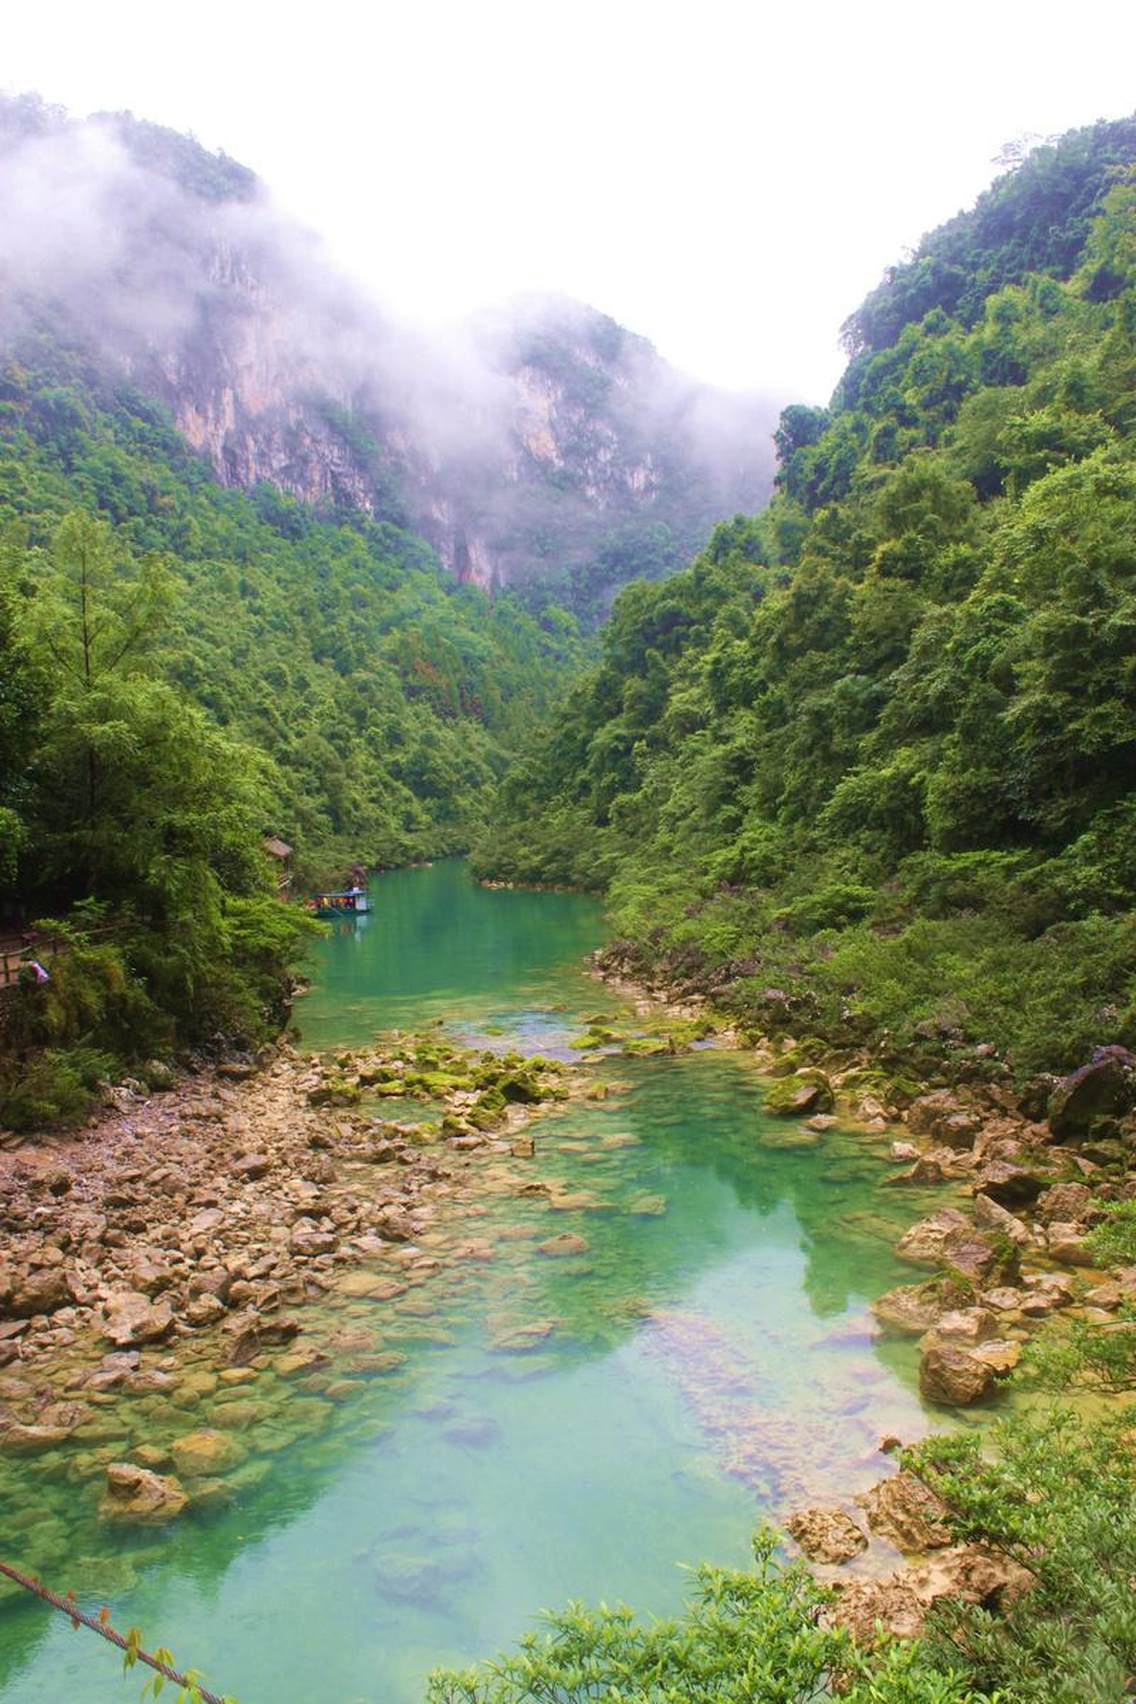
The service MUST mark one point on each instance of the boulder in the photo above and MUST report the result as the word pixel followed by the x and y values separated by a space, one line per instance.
pixel 1000 1354
pixel 954 1376
pixel 871 1610
pixel 940 1116
pixel 251 1167
pixel 799 1095
pixel 1104 1088
pixel 138 1495
pixel 1066 1243
pixel 32 1440
pixel 1008 1184
pixel 1067 1203
pixel 248 1333
pixel 39 1291
pixel 948 1238
pixel 148 1274
pixel 205 1452
pixel 129 1317
pixel 957 1130
pixel 965 1326
pixel 826 1535
pixel 307 1240
pixel 990 1215
pixel 647 1206
pixel 394 1225
pixel 567 1243
pixel 925 1244
pixel 906 1511
pixel 205 1310
pixel 911 1308
pixel 1002 1300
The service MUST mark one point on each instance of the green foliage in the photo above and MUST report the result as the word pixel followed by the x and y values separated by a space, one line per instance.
pixel 1053 1493
pixel 387 696
pixel 1050 1492
pixel 1113 1243
pixel 746 1638
pixel 876 750
pixel 184 669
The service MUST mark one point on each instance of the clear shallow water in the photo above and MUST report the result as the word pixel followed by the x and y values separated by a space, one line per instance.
pixel 558 1427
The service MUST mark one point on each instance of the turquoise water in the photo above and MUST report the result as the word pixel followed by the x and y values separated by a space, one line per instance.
pixel 557 1427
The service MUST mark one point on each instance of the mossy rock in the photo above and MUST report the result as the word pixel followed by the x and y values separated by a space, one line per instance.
pixel 522 1089
pixel 336 1091
pixel 486 1118
pixel 799 1095
pixel 647 1046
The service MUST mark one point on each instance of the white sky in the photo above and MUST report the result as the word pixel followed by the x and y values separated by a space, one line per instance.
pixel 727 179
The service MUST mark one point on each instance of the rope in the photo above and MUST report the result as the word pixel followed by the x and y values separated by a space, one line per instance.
pixel 70 1608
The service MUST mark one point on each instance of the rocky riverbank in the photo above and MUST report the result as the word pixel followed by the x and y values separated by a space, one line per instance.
pixel 162 1259
pixel 155 1270
pixel 1029 1173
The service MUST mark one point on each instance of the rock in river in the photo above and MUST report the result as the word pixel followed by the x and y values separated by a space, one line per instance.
pixel 954 1376
pixel 206 1451
pixel 826 1535
pixel 906 1511
pixel 135 1494
pixel 130 1317
pixel 565 1244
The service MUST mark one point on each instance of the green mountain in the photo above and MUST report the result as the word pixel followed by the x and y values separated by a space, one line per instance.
pixel 866 768
pixel 185 668
pixel 542 446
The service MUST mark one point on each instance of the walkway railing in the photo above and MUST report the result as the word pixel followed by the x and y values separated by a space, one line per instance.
pixel 131 1642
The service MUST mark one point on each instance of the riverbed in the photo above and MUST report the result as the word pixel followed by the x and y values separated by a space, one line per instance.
pixel 549 1425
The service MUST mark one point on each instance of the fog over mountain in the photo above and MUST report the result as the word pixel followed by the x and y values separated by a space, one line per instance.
pixel 542 441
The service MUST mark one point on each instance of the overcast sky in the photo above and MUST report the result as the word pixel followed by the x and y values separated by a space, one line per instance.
pixel 728 179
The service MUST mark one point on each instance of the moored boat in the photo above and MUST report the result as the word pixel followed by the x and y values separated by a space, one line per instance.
pixel 352 902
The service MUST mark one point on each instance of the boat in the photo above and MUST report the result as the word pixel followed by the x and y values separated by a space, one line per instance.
pixel 352 902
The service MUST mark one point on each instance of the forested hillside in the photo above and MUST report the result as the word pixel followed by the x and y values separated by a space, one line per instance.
pixel 542 446
pixel 185 668
pixel 866 768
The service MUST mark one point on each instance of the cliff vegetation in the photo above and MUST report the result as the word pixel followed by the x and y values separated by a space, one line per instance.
pixel 865 769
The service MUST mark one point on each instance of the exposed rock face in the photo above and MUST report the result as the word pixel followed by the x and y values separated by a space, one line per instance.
pixel 898 1603
pixel 1103 1089
pixel 826 1535
pixel 906 1511
pixel 545 434
pixel 136 1495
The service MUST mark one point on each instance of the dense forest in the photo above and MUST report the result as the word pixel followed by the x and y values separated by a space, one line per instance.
pixel 866 768
pixel 187 669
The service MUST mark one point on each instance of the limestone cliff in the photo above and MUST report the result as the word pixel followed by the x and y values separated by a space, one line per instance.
pixel 544 443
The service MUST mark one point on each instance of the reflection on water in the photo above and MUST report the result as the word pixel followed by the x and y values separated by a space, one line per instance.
pixel 516 1426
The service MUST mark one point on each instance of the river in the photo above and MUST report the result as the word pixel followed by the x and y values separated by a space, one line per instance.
pixel 558 1428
